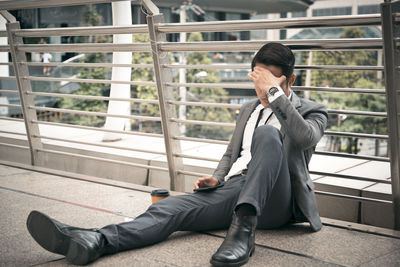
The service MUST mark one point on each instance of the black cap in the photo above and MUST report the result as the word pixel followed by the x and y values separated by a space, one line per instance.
pixel 160 193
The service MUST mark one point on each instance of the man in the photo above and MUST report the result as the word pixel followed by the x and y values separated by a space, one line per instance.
pixel 261 181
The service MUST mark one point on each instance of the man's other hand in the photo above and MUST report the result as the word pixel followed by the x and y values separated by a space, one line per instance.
pixel 206 181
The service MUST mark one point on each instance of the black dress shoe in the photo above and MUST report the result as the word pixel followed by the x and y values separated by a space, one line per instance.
pixel 80 246
pixel 238 245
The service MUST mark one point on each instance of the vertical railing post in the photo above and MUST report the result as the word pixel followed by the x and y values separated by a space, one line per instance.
pixel 390 33
pixel 24 87
pixel 167 110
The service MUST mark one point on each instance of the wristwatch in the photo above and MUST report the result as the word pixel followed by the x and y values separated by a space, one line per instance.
pixel 272 91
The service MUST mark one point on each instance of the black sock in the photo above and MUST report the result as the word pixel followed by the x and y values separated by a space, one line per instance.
pixel 246 210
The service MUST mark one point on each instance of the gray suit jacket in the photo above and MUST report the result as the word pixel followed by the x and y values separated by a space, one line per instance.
pixel 302 125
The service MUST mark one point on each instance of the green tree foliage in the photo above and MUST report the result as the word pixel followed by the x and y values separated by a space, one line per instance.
pixel 203 94
pixel 91 18
pixel 351 101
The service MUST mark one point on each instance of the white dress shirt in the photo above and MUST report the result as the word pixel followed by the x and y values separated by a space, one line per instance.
pixel 267 118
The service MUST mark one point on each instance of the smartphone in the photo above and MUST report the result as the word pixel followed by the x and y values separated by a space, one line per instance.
pixel 204 189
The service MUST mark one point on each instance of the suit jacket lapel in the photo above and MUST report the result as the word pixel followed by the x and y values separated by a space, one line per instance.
pixel 241 124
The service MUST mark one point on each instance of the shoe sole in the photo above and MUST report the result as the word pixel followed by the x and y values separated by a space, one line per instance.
pixel 232 264
pixel 47 234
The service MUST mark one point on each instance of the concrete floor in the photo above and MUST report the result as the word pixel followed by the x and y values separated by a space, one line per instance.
pixel 89 204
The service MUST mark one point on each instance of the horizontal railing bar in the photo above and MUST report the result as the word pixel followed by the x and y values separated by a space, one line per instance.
pixel 7 132
pixel 339 67
pixel 199 174
pixel 344 176
pixel 195 157
pixel 79 31
pixel 205 104
pixel 362 199
pixel 89 97
pixel 10 119
pixel 358 113
pixel 100 145
pixel 298 67
pixel 213 85
pixel 290 23
pixel 208 123
pixel 4 48
pixel 11 5
pixel 14 146
pixel 339 90
pixel 53 79
pixel 100 114
pixel 104 160
pixel 295 88
pixel 3 34
pixel 7 78
pixel 9 91
pixel 97 129
pixel 360 135
pixel 85 47
pixel 6 63
pixel 353 156
pixel 208 141
pixel 10 105
pixel 296 45
pixel 80 64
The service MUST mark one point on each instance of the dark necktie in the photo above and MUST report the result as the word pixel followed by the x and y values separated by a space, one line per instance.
pixel 260 116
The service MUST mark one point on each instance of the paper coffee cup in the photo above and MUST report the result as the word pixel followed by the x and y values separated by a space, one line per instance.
pixel 158 194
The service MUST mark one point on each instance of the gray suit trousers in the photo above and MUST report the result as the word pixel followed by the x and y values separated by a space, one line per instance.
pixel 266 186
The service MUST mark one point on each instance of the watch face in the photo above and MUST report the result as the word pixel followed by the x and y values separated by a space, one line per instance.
pixel 273 90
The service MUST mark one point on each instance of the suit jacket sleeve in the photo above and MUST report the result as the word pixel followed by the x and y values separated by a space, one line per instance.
pixel 306 129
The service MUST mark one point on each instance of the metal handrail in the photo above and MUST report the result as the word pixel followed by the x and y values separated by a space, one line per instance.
pixel 80 80
pixel 205 104
pixel 4 91
pixel 247 85
pixel 89 97
pixel 11 119
pixel 79 31
pixel 104 160
pixel 361 199
pixel 10 105
pixel 264 24
pixel 85 47
pixel 96 129
pixel 296 45
pixel 16 133
pixel 80 64
pixel 359 135
pixel 202 140
pixel 351 177
pixel 101 145
pixel 353 156
pixel 100 114
pixel 207 123
pixel 298 67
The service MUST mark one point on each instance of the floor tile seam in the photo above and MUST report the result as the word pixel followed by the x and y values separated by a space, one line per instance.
pixel 67 202
pixel 285 251
pixel 379 257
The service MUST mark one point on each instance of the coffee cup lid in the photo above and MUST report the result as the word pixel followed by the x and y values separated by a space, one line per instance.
pixel 160 192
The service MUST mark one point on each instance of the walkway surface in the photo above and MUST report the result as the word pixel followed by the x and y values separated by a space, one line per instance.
pixel 89 204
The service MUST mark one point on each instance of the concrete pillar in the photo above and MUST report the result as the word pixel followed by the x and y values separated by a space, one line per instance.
pixel 122 15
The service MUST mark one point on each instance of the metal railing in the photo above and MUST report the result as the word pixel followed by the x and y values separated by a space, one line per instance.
pixel 162 67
